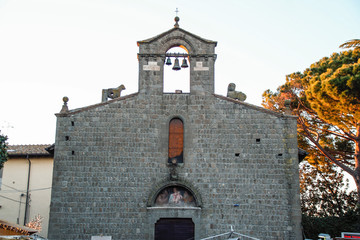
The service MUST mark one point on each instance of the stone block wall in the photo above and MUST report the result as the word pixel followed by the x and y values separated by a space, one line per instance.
pixel 111 158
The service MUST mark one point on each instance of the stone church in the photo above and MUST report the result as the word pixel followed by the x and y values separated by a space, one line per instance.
pixel 155 165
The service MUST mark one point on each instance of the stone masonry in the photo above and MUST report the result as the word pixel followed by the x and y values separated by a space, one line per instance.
pixel 111 159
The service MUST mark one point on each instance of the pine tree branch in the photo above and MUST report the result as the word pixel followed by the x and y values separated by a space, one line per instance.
pixel 322 150
pixel 354 43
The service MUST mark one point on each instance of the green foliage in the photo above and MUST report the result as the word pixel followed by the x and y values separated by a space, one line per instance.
pixel 333 88
pixel 326 204
pixel 3 150
pixel 324 192
pixel 313 226
pixel 326 99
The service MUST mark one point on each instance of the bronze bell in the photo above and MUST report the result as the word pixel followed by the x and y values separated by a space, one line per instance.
pixel 184 63
pixel 168 61
pixel 176 66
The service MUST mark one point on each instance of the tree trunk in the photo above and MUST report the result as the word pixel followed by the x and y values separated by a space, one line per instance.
pixel 357 182
pixel 356 175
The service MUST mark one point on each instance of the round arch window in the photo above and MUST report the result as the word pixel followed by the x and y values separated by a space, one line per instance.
pixel 176 141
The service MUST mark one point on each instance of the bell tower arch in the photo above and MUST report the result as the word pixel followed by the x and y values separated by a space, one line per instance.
pixel 153 54
pixel 177 72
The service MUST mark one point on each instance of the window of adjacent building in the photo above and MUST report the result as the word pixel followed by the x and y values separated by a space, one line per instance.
pixel 176 141
pixel 177 80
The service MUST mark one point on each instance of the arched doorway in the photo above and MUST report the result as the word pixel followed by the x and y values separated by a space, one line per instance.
pixel 174 229
pixel 174 211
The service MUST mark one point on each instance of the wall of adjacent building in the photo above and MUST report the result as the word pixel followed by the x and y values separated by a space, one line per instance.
pixel 14 188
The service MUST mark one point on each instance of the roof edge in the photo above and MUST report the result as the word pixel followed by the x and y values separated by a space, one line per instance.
pixel 33 150
pixel 33 155
pixel 17 228
pixel 150 40
pixel 255 107
pixel 83 109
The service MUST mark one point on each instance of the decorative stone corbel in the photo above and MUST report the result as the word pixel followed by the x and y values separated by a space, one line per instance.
pixel 65 108
pixel 173 173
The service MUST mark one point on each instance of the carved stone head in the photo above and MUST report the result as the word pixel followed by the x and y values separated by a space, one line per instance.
pixel 231 87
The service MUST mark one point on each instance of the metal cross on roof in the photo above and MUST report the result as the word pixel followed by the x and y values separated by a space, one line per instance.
pixel 177 19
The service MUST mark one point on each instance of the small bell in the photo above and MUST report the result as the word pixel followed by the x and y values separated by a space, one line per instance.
pixel 168 61
pixel 176 66
pixel 184 63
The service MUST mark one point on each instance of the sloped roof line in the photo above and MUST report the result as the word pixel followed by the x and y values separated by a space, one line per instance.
pixel 83 109
pixel 172 30
pixel 254 107
pixel 17 228
pixel 78 110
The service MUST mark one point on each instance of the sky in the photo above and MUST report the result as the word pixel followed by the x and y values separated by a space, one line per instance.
pixel 75 48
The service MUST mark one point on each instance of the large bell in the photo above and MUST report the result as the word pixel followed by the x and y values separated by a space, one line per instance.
pixel 176 66
pixel 168 61
pixel 184 63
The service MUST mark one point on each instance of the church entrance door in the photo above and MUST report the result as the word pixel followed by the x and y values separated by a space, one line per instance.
pixel 174 228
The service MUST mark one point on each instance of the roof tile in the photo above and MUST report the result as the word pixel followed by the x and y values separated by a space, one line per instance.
pixel 28 149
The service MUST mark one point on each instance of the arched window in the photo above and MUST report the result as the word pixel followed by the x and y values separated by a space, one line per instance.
pixel 176 141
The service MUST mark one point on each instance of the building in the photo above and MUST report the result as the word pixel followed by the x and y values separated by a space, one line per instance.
pixel 25 188
pixel 155 165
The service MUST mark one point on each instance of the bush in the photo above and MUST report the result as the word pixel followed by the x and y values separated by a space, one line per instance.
pixel 313 226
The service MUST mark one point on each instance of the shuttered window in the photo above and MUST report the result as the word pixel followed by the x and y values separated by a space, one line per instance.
pixel 176 141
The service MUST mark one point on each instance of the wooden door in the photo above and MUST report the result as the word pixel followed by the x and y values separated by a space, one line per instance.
pixel 174 229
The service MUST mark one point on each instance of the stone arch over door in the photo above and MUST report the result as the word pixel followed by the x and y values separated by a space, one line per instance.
pixel 182 186
pixel 175 196
pixel 174 213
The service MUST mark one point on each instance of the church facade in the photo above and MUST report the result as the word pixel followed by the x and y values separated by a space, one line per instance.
pixel 155 165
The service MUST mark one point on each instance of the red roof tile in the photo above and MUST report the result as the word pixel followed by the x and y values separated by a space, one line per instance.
pixel 28 149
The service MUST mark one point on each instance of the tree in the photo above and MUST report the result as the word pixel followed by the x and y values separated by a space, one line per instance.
pixel 36 223
pixel 324 192
pixel 312 226
pixel 326 99
pixel 3 150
